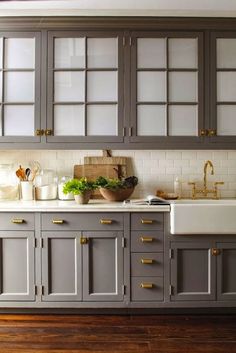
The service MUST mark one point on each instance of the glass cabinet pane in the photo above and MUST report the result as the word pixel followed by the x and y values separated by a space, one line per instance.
pixel 151 53
pixel 183 87
pixel 102 120
pixel 69 120
pixel 226 120
pixel 151 86
pixel 19 87
pixel 102 86
pixel 183 120
pixel 69 86
pixel 1 52
pixel 1 86
pixel 102 52
pixel 69 53
pixel 226 53
pixel 19 53
pixel 183 53
pixel 19 120
pixel 226 86
pixel 151 120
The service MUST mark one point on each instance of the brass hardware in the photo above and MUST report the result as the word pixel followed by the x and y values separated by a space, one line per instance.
pixel 211 132
pixel 147 261
pixel 215 252
pixel 17 220
pixel 106 221
pixel 58 221
pixel 146 221
pixel 147 285
pixel 48 132
pixel 193 189
pixel 83 240
pixel 203 132
pixel 39 132
pixel 146 239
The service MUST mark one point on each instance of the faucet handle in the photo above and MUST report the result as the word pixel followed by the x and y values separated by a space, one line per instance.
pixel 193 184
pixel 218 183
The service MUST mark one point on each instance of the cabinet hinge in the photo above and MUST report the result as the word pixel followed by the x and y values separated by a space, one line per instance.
pixel 123 242
pixel 171 253
pixel 123 131
pixel 41 243
pixel 35 290
pixel 123 289
pixel 170 290
pixel 130 131
pixel 35 243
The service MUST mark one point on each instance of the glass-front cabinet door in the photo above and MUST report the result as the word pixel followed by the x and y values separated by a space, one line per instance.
pixel 166 87
pixel 20 87
pixel 223 87
pixel 85 95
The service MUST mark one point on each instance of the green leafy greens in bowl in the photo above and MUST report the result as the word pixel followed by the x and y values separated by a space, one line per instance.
pixel 78 186
pixel 117 184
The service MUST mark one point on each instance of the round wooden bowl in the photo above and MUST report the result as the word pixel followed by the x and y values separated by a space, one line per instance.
pixel 116 195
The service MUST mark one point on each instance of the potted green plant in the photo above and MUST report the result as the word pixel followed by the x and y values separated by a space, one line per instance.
pixel 80 188
pixel 116 189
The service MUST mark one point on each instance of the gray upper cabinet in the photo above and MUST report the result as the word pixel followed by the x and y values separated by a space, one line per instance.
pixel 17 268
pixel 226 264
pixel 85 87
pixel 19 86
pixel 166 87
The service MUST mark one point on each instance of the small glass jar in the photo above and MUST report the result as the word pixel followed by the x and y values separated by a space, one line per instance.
pixel 9 184
pixel 46 185
pixel 61 194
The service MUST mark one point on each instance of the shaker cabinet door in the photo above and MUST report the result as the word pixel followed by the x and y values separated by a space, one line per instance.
pixel 85 87
pixel 19 87
pixel 226 264
pixel 166 87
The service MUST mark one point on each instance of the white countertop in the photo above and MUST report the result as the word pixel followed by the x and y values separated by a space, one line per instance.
pixel 71 206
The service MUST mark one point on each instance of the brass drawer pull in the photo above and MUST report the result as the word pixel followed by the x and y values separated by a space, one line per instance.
pixel 17 220
pixel 106 221
pixel 146 239
pixel 147 285
pixel 83 240
pixel 147 261
pixel 146 221
pixel 58 221
pixel 215 252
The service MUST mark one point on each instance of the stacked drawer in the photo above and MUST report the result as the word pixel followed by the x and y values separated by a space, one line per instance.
pixel 147 256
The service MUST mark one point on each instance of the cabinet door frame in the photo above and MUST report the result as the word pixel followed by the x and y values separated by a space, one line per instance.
pixel 119 296
pixel 18 297
pixel 206 245
pixel 47 297
pixel 226 140
pixel 162 140
pixel 220 294
pixel 37 85
pixel 119 138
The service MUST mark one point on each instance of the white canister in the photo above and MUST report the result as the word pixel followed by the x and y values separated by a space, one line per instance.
pixel 27 190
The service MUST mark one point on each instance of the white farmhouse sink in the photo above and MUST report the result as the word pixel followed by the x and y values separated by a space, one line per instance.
pixel 203 217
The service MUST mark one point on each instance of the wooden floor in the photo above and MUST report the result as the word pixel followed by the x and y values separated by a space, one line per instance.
pixel 123 334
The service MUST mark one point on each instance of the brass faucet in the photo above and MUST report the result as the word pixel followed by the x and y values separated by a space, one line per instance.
pixel 205 191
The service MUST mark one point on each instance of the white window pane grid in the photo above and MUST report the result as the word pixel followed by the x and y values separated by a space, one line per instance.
pixel 19 53
pixel 151 53
pixel 102 120
pixel 1 52
pixel 183 87
pixel 69 86
pixel 151 86
pixel 19 120
pixel 183 53
pixel 69 53
pixel 102 86
pixel 69 120
pixel 102 53
pixel 226 86
pixel 226 53
pixel 151 120
pixel 19 87
pixel 183 120
pixel 226 120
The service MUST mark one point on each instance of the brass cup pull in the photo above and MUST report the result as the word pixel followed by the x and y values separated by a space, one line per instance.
pixel 17 220
pixel 106 221
pixel 83 240
pixel 147 261
pixel 147 285
pixel 146 239
pixel 39 132
pixel 48 132
pixel 146 221
pixel 58 221
pixel 215 252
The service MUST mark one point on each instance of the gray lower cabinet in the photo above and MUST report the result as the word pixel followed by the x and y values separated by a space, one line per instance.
pixel 17 266
pixel 226 265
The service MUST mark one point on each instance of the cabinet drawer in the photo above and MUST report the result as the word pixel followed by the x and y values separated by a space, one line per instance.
pixel 147 264
pixel 153 293
pixel 82 221
pixel 146 241
pixel 147 221
pixel 16 221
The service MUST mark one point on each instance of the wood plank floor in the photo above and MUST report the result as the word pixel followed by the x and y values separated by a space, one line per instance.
pixel 117 334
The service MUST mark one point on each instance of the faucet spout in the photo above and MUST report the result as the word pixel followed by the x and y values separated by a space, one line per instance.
pixel 206 165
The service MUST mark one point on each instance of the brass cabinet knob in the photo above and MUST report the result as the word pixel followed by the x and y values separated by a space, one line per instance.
pixel 106 221
pixel 17 220
pixel 203 132
pixel 58 221
pixel 83 240
pixel 215 252
pixel 147 285
pixel 48 132
pixel 212 132
pixel 39 132
pixel 146 239
pixel 147 261
pixel 146 221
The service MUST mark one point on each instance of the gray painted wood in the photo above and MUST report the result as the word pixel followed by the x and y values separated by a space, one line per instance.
pixel 226 265
pixel 140 269
pixel 61 266
pixel 7 218
pixel 17 266
pixel 156 219
pixel 103 273
pixel 137 245
pixel 154 294
pixel 193 271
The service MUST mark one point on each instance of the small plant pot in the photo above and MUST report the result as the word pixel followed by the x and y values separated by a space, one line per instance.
pixel 116 195
pixel 84 198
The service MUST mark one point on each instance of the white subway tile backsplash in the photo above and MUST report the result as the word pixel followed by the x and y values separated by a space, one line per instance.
pixel 155 169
